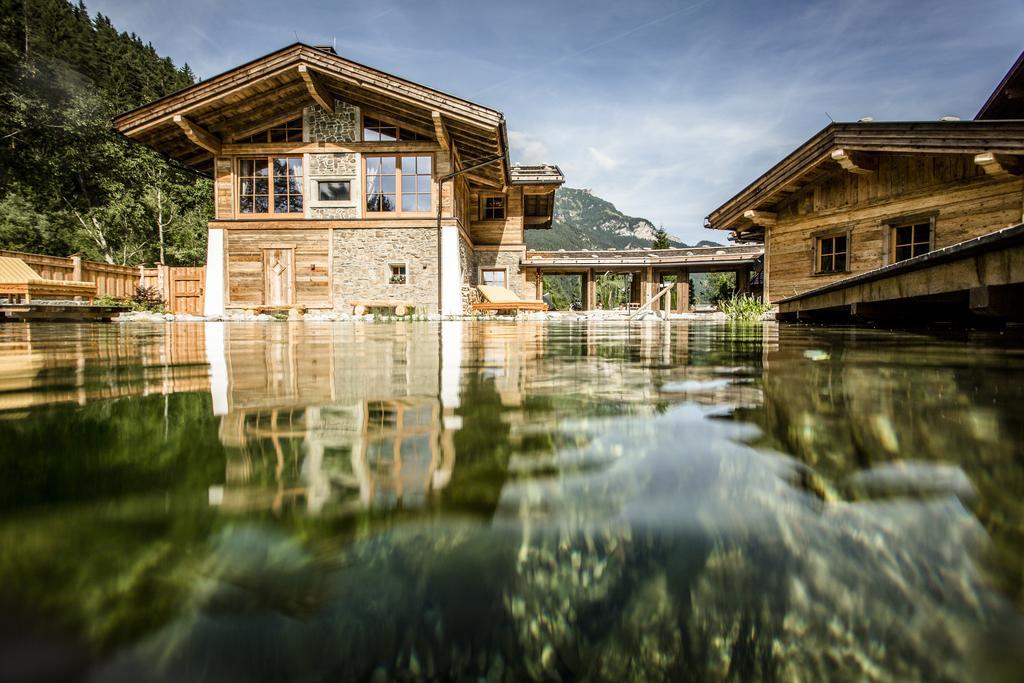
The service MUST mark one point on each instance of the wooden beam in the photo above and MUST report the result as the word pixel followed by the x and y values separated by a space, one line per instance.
pixel 317 90
pixel 482 180
pixel 762 218
pixel 441 130
pixel 198 135
pixel 999 164
pixel 854 162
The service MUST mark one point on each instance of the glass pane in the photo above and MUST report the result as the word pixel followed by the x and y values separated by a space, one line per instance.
pixel 295 185
pixel 826 264
pixel 295 166
pixel 245 167
pixel 388 202
pixel 244 187
pixel 409 165
pixel 372 184
pixel 388 133
pixel 423 202
pixel 245 204
pixel 334 191
pixel 277 135
pixel 261 186
pixel 840 244
pixel 280 185
pixel 262 204
pixel 920 249
pixel 423 164
pixel 372 164
pixel 387 164
pixel 295 203
pixel 280 166
pixel 387 183
pixel 280 203
pixel 408 202
pixel 261 167
pixel 373 202
pixel 423 184
pixel 408 183
pixel 904 235
pixel 903 253
pixel 840 262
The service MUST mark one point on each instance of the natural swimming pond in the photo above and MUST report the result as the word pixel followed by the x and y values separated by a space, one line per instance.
pixel 509 501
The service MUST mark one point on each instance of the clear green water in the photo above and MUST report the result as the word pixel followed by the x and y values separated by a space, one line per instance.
pixel 504 501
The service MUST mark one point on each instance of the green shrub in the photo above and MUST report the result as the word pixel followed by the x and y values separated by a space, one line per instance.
pixel 744 307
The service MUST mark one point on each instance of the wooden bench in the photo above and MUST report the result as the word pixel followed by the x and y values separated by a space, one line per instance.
pixel 400 308
pixel 18 279
pixel 502 299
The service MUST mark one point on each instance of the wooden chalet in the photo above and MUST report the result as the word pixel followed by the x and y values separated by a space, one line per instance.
pixel 338 186
pixel 868 201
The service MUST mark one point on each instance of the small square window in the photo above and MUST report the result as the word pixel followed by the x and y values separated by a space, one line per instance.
pixel 832 251
pixel 334 190
pixel 909 241
pixel 398 274
pixel 494 208
pixel 494 277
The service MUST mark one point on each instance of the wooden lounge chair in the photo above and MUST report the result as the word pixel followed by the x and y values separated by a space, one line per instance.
pixel 18 279
pixel 502 299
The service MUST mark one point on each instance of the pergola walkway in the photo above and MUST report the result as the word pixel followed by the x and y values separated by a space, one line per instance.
pixel 652 266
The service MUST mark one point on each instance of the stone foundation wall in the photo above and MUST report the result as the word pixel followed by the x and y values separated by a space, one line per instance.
pixel 467 262
pixel 362 257
pixel 509 260
pixel 321 126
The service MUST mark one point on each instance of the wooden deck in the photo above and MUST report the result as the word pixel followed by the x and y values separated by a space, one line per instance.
pixel 52 312
pixel 974 279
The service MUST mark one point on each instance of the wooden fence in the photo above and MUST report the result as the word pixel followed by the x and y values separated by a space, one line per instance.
pixel 181 288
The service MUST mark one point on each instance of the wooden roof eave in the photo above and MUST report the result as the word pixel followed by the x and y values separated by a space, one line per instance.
pixel 962 137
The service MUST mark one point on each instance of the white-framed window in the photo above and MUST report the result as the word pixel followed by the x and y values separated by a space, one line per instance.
pixel 398 273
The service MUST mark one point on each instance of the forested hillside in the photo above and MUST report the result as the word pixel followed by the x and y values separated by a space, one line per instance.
pixel 68 182
pixel 584 221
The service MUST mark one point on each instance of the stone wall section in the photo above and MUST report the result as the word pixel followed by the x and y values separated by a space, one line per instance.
pixel 467 262
pixel 509 260
pixel 339 165
pixel 362 259
pixel 322 126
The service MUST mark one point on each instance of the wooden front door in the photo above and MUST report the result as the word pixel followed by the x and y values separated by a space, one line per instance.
pixel 278 277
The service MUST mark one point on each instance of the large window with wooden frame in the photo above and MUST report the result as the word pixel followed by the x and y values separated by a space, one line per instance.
pixel 269 185
pixel 831 254
pixel 399 184
pixel 492 207
pixel 289 131
pixel 375 130
pixel 496 277
pixel 909 240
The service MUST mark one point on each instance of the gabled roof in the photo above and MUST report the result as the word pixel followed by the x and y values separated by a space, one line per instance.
pixel 539 174
pixel 816 155
pixel 281 83
pixel 1007 100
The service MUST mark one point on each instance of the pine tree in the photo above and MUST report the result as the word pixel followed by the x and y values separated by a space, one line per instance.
pixel 661 240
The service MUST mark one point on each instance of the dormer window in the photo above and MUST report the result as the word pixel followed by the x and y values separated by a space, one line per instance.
pixel 493 208
pixel 375 130
pixel 289 131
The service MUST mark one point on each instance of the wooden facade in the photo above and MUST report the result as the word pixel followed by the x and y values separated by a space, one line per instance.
pixel 861 196
pixel 306 149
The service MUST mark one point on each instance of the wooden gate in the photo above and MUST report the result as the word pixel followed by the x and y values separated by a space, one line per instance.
pixel 185 287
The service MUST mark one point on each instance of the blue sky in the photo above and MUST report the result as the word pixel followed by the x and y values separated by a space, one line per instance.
pixel 664 108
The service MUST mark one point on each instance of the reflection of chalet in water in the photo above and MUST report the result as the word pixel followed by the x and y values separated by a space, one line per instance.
pixel 866 216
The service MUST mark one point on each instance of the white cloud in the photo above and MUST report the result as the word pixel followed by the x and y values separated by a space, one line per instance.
pixel 602 160
pixel 527 149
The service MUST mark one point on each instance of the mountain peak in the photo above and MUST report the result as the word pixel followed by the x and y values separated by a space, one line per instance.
pixel 583 220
